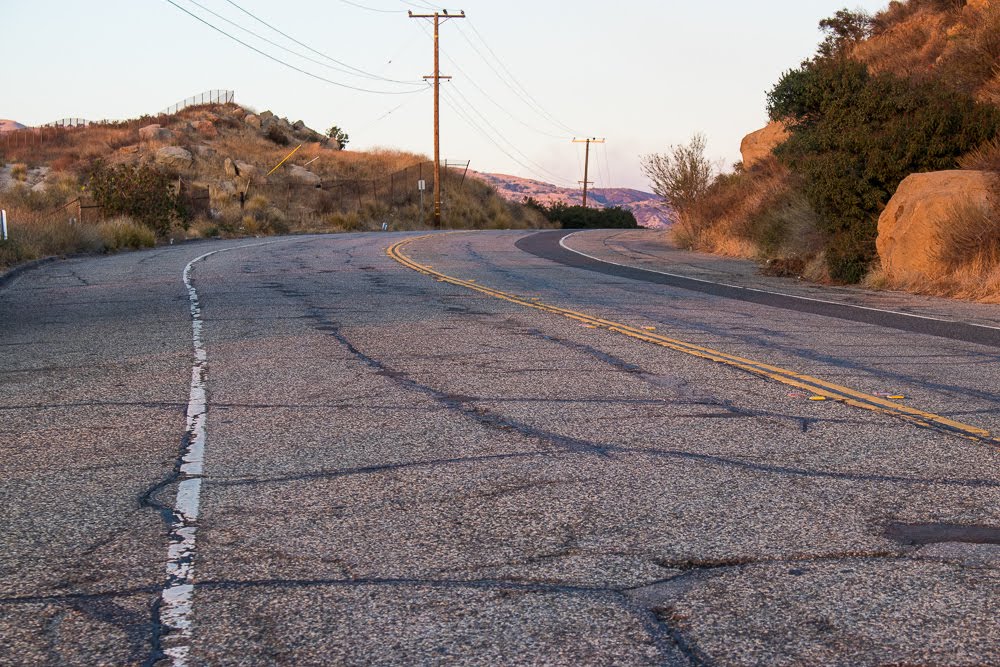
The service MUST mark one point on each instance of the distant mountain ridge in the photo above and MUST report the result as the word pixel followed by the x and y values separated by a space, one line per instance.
pixel 648 209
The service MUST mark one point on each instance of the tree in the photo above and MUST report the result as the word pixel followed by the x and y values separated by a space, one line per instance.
pixel 682 174
pixel 339 136
pixel 844 30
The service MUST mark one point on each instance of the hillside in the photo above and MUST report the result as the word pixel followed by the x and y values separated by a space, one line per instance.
pixel 217 170
pixel 913 90
pixel 649 209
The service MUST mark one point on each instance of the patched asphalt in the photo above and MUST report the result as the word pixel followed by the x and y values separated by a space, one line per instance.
pixel 404 471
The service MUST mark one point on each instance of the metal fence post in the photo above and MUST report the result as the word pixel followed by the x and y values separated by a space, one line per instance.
pixel 3 224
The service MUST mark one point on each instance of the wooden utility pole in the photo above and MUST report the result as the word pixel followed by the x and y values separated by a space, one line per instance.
pixel 586 162
pixel 437 16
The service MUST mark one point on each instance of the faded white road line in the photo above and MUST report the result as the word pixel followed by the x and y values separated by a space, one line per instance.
pixel 176 605
pixel 562 242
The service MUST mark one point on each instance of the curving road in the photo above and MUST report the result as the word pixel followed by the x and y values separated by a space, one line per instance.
pixel 490 448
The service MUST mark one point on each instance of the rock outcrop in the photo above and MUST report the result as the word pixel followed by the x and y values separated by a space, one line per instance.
pixel 910 227
pixel 174 157
pixel 758 145
pixel 155 132
pixel 304 176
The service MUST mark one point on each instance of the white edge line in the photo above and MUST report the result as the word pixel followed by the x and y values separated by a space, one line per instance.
pixel 562 243
pixel 177 604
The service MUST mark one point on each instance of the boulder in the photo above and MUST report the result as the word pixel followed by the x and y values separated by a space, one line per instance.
pixel 239 169
pixel 909 228
pixel 303 176
pixel 174 157
pixel 298 126
pixel 252 120
pixel 758 145
pixel 206 128
pixel 155 132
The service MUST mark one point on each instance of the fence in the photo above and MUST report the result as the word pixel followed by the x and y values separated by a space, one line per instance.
pixel 208 97
pixel 69 122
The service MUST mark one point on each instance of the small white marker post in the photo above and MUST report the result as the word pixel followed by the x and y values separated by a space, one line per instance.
pixel 3 224
pixel 421 185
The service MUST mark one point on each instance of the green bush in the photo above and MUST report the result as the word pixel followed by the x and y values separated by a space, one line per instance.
pixel 139 192
pixel 855 136
pixel 578 217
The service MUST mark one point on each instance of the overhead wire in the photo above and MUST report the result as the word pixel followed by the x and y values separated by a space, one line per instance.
pixel 342 70
pixel 306 46
pixel 373 9
pixel 517 88
pixel 287 64
pixel 472 123
pixel 490 125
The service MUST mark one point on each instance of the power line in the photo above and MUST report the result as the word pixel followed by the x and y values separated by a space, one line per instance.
pixel 492 101
pixel 287 64
pixel 373 9
pixel 471 122
pixel 500 134
pixel 319 53
pixel 520 91
pixel 286 49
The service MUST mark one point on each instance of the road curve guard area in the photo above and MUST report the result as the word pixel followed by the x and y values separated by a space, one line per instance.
pixel 819 387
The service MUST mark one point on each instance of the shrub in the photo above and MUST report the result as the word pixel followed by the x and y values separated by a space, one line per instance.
pixel 139 192
pixel 682 174
pixel 124 233
pixel 855 136
pixel 277 135
pixel 579 217
pixel 19 172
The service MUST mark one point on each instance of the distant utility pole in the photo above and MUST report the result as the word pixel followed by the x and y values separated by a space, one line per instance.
pixel 437 16
pixel 586 162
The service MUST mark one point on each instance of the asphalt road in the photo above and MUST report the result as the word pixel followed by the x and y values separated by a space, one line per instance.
pixel 301 451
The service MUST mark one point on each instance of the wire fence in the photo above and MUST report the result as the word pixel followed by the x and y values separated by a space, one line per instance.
pixel 69 122
pixel 207 97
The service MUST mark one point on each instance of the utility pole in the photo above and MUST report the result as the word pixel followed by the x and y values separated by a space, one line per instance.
pixel 437 16
pixel 586 162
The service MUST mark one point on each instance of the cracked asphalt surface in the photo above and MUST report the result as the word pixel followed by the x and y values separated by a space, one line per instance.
pixel 403 471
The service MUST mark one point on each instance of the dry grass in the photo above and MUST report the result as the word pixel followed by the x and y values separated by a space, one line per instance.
pixel 983 158
pixel 743 214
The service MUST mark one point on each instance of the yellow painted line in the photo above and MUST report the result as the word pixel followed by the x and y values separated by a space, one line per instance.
pixel 818 388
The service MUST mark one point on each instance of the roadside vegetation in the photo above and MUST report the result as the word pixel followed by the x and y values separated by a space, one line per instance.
pixel 564 216
pixel 913 88
pixel 107 187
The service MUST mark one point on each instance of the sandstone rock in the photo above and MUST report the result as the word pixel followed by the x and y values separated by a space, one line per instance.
pixel 978 4
pixel 230 168
pixel 174 157
pixel 252 120
pixel 298 126
pixel 155 132
pixel 201 150
pixel 760 144
pixel 910 225
pixel 205 127
pixel 304 176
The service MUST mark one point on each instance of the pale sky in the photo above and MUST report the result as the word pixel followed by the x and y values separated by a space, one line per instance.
pixel 530 75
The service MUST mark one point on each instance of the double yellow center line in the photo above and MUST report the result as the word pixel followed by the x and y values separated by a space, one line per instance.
pixel 805 382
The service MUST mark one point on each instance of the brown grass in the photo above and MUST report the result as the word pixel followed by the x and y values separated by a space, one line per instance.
pixel 754 214
pixel 984 158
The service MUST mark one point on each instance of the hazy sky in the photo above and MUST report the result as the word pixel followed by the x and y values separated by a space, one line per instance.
pixel 530 75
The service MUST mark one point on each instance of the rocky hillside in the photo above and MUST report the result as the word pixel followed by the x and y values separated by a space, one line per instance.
pixel 881 161
pixel 648 209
